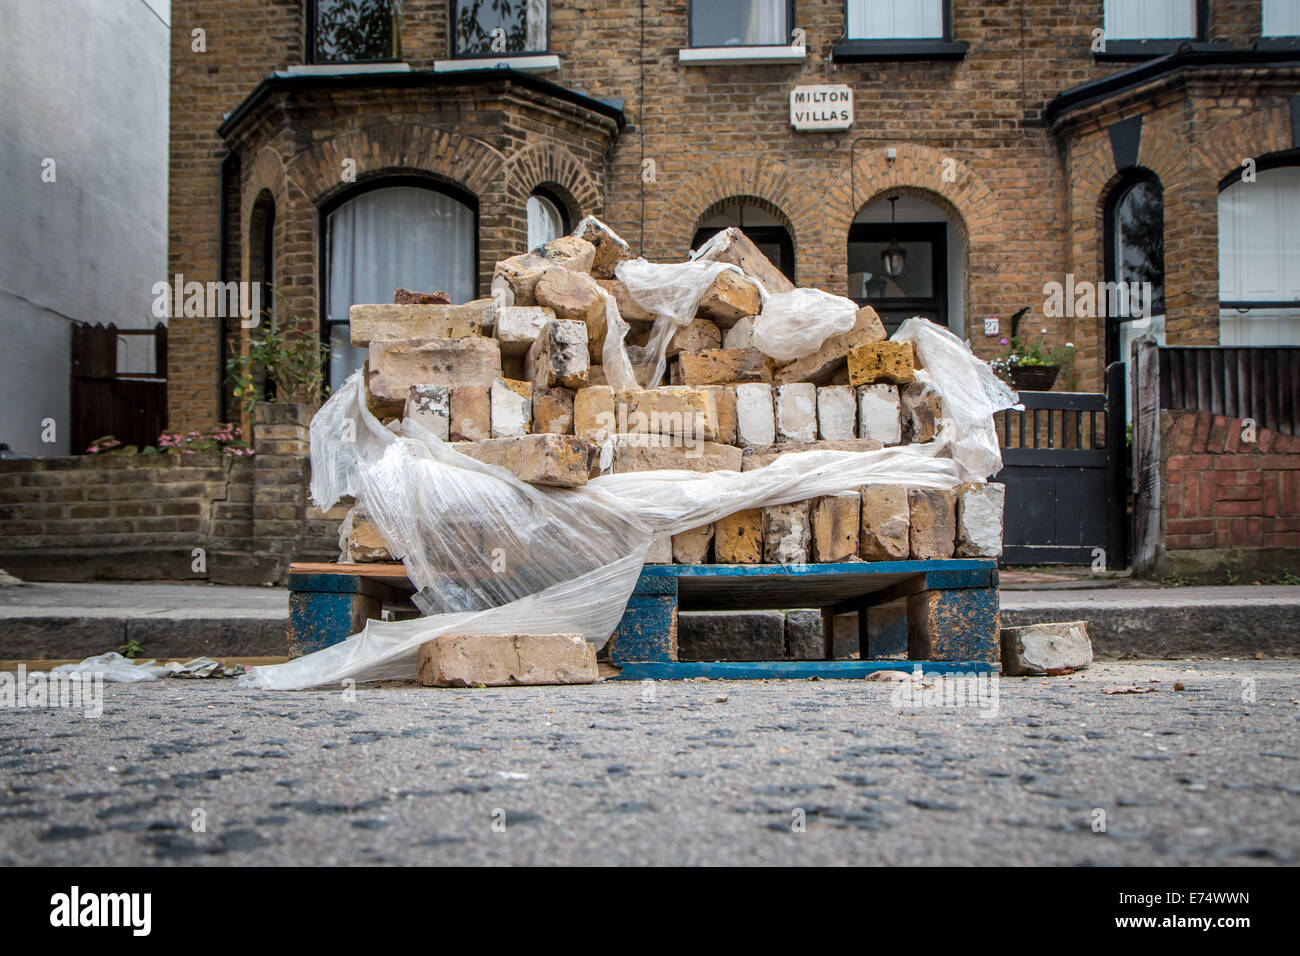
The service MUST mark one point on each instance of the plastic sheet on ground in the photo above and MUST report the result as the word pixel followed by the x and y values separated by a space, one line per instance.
pixel 115 668
pixel 489 554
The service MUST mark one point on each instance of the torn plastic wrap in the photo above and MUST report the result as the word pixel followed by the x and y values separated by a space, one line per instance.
pixel 114 668
pixel 489 554
pixel 672 292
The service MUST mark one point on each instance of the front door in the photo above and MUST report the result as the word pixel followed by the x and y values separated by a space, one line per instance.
pixel 920 289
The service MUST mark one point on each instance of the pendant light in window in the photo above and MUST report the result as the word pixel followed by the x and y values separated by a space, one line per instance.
pixel 894 258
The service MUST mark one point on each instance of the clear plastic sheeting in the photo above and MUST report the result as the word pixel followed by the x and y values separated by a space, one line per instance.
pixel 969 392
pixel 115 668
pixel 794 324
pixel 672 292
pixel 489 554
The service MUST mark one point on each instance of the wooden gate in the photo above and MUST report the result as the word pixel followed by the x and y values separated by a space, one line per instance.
pixel 1065 465
pixel 109 399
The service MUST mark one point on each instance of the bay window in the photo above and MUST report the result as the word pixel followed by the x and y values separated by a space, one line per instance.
pixel 1259 245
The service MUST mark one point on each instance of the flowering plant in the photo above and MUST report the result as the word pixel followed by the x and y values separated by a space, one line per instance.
pixel 1021 354
pixel 226 437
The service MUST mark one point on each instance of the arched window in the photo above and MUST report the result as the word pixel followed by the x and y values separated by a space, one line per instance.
pixel 546 219
pixel 1133 302
pixel 1259 248
pixel 261 247
pixel 409 233
pixel 764 228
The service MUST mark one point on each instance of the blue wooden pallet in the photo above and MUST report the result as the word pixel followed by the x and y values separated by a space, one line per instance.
pixel 951 610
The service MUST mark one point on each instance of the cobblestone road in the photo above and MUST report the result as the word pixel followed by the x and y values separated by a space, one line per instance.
pixel 706 772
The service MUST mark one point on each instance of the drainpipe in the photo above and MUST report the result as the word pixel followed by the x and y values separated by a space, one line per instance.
pixel 222 194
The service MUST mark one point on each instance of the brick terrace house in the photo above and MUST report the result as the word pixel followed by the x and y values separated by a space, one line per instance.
pixel 340 148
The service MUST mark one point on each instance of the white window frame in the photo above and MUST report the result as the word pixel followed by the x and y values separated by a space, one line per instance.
pixel 1146 19
pixel 742 54
pixel 939 13
pixel 1280 18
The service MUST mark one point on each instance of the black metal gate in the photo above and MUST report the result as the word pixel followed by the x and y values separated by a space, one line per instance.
pixel 1065 468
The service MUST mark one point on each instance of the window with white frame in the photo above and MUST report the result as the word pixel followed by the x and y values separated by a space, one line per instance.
pixel 895 19
pixel 1280 18
pixel 500 27
pixel 1150 19
pixel 716 23
pixel 400 236
pixel 1259 246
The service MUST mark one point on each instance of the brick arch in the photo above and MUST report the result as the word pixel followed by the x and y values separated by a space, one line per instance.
pixel 758 201
pixel 266 173
pixel 918 171
pixel 389 147
pixel 392 147
pixel 752 177
pixel 1256 134
pixel 555 168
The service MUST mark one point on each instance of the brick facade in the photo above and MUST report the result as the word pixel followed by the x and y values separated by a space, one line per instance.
pixel 134 517
pixel 1026 196
pixel 1228 502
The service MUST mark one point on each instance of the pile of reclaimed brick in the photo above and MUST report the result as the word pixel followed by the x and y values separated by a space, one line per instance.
pixel 516 381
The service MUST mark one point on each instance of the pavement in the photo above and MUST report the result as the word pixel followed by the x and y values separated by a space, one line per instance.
pixel 699 772
pixel 1127 619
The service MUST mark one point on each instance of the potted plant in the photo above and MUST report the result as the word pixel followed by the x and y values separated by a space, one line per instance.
pixel 290 361
pixel 1031 366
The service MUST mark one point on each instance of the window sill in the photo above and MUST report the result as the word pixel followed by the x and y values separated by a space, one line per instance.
pixel 1120 51
pixel 863 51
pixel 1277 43
pixel 740 55
pixel 345 69
pixel 540 63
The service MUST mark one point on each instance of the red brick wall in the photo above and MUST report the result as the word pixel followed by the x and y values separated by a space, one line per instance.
pixel 1223 492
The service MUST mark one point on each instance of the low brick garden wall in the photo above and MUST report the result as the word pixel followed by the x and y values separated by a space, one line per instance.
pixel 1230 505
pixel 206 516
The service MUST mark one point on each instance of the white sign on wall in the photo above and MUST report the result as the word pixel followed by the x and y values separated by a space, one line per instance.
pixel 821 107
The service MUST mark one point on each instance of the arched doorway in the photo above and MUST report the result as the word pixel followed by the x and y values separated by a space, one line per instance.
pixel 932 279
pixel 394 233
pixel 1259 248
pixel 765 227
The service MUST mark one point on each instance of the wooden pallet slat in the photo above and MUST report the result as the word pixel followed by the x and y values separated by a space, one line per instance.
pixel 952 610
